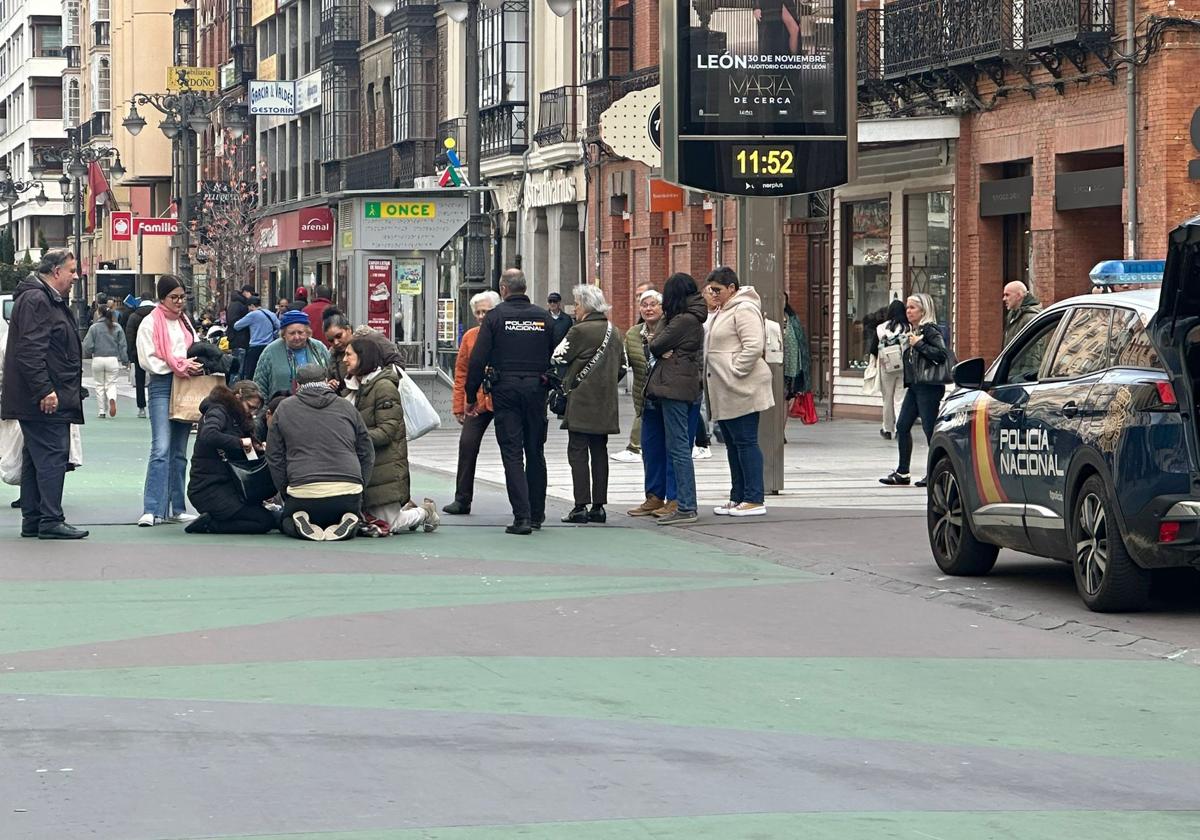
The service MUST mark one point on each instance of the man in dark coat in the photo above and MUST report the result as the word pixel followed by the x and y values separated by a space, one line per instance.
pixel 43 391
pixel 560 322
pixel 131 331
pixel 1020 307
pixel 239 340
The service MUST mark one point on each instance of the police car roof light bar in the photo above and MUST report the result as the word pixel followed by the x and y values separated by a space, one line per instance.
pixel 1127 272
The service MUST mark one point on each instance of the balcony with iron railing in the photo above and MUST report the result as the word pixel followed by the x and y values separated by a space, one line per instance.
pixel 869 44
pixel 1045 23
pixel 73 56
pixel 414 159
pixel 370 171
pixel 100 125
pixel 558 116
pixel 504 130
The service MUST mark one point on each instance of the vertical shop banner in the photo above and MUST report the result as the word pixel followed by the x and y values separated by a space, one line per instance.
pixel 757 99
pixel 379 295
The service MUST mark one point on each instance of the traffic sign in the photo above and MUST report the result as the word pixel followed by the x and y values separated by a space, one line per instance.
pixel 753 107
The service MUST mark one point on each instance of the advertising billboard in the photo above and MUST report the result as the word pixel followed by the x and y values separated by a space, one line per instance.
pixel 757 96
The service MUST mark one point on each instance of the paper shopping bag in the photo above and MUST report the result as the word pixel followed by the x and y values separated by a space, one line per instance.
pixel 188 392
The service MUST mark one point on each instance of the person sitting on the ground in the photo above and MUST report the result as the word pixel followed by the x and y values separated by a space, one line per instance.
pixel 387 506
pixel 226 436
pixel 321 458
pixel 295 348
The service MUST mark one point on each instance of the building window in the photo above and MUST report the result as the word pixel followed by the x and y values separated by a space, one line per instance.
pixel 929 264
pixel 71 22
pixel 371 117
pixel 866 238
pixel 102 86
pixel 339 111
pixel 47 40
pixel 47 102
pixel 503 36
pixel 591 40
pixel 98 10
pixel 71 104
pixel 416 74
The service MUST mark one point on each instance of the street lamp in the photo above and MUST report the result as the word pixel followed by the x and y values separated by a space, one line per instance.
pixel 75 161
pixel 10 193
pixel 185 115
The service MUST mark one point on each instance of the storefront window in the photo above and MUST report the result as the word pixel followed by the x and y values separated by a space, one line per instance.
pixel 865 281
pixel 927 239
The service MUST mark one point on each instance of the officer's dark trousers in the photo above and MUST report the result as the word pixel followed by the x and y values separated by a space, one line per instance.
pixel 520 410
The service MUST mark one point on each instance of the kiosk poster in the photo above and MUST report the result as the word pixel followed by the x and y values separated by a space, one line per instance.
pixel 770 68
pixel 379 295
pixel 410 276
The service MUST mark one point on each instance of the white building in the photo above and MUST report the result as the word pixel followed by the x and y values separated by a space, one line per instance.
pixel 32 114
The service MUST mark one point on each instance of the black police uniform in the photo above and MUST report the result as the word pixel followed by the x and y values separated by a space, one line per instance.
pixel 516 341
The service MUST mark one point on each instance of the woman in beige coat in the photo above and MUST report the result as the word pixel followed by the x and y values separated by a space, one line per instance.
pixel 739 386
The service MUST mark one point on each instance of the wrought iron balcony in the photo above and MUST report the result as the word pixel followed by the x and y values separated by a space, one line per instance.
pixel 414 159
pixel 456 130
pixel 339 36
pixel 558 116
pixel 912 36
pixel 1046 23
pixel 72 55
pixel 370 171
pixel 504 130
pixel 977 30
pixel 100 125
pixel 869 42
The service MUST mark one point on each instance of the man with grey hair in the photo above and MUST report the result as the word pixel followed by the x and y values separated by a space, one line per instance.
pixel 43 391
pixel 515 341
pixel 320 456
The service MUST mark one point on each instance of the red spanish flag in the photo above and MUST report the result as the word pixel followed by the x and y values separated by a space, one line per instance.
pixel 97 185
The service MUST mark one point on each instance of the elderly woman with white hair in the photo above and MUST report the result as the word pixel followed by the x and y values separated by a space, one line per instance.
pixel 474 426
pixel 590 362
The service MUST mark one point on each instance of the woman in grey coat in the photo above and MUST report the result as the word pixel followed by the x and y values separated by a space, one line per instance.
pixel 105 343
pixel 590 362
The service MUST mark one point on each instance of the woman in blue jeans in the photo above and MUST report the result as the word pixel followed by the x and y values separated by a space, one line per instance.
pixel 739 386
pixel 674 356
pixel 163 340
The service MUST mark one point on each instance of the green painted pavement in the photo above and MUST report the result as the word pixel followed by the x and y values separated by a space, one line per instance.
pixel 1113 708
pixel 39 615
pixel 916 825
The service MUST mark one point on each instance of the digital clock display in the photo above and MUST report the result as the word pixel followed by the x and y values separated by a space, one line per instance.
pixel 763 161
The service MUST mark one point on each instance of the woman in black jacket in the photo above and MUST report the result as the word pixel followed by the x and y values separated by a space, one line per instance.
pixel 925 363
pixel 675 356
pixel 226 434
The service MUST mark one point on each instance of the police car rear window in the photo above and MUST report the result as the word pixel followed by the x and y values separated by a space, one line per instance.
pixel 1131 342
pixel 1084 346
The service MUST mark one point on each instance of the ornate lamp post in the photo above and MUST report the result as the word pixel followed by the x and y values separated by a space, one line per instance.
pixel 185 116
pixel 75 161
pixel 10 192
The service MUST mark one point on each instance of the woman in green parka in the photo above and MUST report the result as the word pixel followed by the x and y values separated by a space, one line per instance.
pixel 375 392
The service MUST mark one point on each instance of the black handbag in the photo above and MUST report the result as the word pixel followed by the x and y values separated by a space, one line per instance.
pixel 253 480
pixel 556 397
pixel 926 372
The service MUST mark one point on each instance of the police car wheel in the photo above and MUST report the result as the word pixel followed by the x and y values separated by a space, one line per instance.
pixel 1106 577
pixel 955 547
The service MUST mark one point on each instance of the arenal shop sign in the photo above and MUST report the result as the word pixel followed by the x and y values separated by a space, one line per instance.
pixel 316 224
pixel 305 228
pixel 124 226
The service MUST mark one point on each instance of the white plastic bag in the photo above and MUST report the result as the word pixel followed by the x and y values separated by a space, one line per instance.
pixel 11 443
pixel 75 454
pixel 420 417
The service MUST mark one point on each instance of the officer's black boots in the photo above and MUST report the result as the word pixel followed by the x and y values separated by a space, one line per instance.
pixel 521 527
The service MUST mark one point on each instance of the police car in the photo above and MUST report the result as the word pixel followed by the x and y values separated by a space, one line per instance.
pixel 1080 443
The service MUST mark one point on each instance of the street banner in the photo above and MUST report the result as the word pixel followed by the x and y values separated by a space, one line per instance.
pixel 124 226
pixel 758 100
pixel 202 79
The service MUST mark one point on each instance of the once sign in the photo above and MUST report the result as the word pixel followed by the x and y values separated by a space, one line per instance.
pixel 400 210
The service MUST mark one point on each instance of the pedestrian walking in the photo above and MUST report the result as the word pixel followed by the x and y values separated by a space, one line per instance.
pixel 43 391
pixel 316 311
pixel 164 339
pixel 650 316
pixel 282 358
pixel 474 426
pixel 590 362
pixel 1020 307
pixel 321 457
pixel 891 336
pixel 227 436
pixel 105 343
pixel 925 373
pixel 673 389
pixel 387 503
pixel 560 322
pixel 264 328
pixel 739 387
pixel 514 341
pixel 131 332
pixel 239 338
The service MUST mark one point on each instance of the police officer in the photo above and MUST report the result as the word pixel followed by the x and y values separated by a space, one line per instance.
pixel 515 341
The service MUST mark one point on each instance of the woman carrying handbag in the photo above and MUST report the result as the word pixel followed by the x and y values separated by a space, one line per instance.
pixel 891 337
pixel 926 370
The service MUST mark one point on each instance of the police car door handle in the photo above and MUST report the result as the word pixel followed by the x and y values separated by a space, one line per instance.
pixel 1015 412
pixel 1070 409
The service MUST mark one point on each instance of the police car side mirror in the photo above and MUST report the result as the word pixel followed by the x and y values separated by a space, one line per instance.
pixel 969 374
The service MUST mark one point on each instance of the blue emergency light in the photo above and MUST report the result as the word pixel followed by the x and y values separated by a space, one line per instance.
pixel 1127 272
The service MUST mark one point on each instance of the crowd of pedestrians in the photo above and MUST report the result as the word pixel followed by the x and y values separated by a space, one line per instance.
pixel 306 431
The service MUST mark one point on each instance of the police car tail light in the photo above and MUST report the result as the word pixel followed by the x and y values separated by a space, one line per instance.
pixel 1168 532
pixel 1166 393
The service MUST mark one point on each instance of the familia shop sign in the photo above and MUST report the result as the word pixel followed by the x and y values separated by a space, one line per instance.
pixel 124 226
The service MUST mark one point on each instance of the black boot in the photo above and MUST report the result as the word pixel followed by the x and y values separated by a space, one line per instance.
pixel 199 525
pixel 577 516
pixel 597 514
pixel 15 504
pixel 457 508
pixel 519 527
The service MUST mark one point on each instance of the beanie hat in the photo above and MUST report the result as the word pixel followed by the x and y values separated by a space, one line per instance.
pixel 293 316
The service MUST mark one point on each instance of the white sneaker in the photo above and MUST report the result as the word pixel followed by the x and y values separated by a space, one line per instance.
pixel 432 519
pixel 748 509
pixel 306 529
pixel 626 456
pixel 182 518
pixel 101 415
pixel 701 453
pixel 148 520
pixel 725 509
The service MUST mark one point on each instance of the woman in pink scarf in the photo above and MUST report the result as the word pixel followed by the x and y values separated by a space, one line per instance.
pixel 163 340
